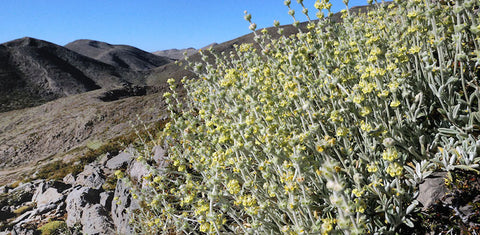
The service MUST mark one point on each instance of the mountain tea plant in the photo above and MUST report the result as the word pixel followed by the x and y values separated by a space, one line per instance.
pixel 328 131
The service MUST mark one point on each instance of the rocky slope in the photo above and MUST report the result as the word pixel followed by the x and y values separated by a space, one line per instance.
pixel 92 202
pixel 67 127
pixel 122 56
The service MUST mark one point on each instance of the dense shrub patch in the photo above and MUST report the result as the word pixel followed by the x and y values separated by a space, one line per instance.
pixel 329 130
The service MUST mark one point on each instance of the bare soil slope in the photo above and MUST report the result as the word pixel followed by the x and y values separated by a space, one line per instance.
pixel 66 127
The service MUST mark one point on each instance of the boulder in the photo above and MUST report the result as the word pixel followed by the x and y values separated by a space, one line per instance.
pixel 48 197
pixel 95 220
pixel 122 207
pixel 77 200
pixel 49 192
pixel 120 161
pixel 92 176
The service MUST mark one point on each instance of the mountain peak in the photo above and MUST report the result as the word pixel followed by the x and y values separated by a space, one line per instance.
pixel 123 56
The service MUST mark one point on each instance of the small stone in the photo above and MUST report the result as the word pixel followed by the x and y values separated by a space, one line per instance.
pixel 432 189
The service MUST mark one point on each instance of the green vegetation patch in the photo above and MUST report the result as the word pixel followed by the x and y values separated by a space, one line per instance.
pixel 54 227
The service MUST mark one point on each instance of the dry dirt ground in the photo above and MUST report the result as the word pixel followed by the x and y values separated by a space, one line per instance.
pixel 66 128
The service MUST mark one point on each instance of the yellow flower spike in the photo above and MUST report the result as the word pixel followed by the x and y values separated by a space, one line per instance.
pixel 395 103
pixel 394 169
pixel 342 131
pixel 372 168
pixel 390 154
pixel 365 110
pixel 383 94
pixel 414 50
pixel 233 187
pixel 358 98
pixel 357 192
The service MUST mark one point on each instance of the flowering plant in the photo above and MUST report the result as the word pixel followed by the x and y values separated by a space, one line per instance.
pixel 329 130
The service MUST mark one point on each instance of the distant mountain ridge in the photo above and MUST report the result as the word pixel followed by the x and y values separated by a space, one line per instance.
pixel 123 56
pixel 176 54
pixel 34 71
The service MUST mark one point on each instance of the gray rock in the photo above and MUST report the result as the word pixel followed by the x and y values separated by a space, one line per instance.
pixel 121 210
pixel 48 197
pixel 432 189
pixel 49 193
pixel 22 217
pixel 3 189
pixel 137 170
pixel 77 200
pixel 44 209
pixel 106 199
pixel 159 156
pixel 92 176
pixel 69 179
pixel 95 220
pixel 19 230
pixel 120 161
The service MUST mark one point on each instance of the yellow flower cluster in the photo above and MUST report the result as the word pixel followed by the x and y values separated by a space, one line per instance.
pixel 318 130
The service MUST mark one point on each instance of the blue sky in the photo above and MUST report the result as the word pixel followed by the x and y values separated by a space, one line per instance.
pixel 150 25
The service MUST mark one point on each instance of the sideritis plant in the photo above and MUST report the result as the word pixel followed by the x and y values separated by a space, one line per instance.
pixel 328 131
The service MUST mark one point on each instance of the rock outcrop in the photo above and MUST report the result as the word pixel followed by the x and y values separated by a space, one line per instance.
pixel 81 203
